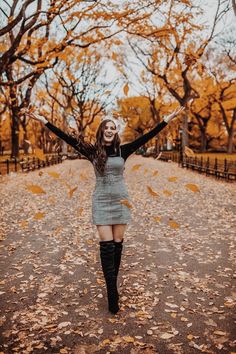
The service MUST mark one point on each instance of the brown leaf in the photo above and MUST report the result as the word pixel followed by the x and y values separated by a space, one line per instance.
pixel 152 192
pixel 71 191
pixel 155 173
pixel 126 203
pixel 157 218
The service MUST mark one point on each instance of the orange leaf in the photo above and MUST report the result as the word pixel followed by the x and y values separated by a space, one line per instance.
pixel 35 189
pixel 39 216
pixel 152 192
pixel 53 174
pixel 166 192
pixel 24 223
pixel 126 89
pixel 126 203
pixel 172 179
pixel 136 167
pixel 173 224
pixel 114 56
pixel 157 218
pixel 71 191
pixel 192 187
pixel 155 173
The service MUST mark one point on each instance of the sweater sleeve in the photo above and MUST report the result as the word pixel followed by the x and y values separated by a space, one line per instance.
pixel 84 148
pixel 129 148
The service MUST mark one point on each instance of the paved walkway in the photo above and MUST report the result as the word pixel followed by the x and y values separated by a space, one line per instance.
pixel 176 277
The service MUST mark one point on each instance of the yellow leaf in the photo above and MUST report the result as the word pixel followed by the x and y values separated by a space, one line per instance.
pixel 172 179
pixel 173 224
pixel 80 211
pixel 39 216
pixel 106 341
pixel 40 154
pixel 190 336
pixel 83 177
pixel 114 56
pixel 188 152
pixel 192 187
pixel 126 89
pixel 24 223
pixel 71 191
pixel 152 192
pixel 136 167
pixel 157 218
pixel 35 189
pixel 128 339
pixel 53 174
pixel 166 192
pixel 126 203
pixel 155 173
pixel 173 315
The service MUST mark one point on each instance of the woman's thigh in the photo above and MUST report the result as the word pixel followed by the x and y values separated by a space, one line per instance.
pixel 105 232
pixel 118 232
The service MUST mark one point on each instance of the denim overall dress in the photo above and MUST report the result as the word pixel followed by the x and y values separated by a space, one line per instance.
pixel 109 190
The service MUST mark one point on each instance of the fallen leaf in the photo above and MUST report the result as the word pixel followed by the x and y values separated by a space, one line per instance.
pixel 166 192
pixel 136 167
pixel 53 174
pixel 152 192
pixel 126 203
pixel 192 187
pixel 38 216
pixel 35 189
pixel 166 335
pixel 172 179
pixel 173 224
pixel 157 218
pixel 71 191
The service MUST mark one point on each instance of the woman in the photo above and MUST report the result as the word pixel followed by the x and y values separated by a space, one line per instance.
pixel 109 213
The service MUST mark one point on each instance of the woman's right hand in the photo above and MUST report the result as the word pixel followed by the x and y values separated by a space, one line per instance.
pixel 37 117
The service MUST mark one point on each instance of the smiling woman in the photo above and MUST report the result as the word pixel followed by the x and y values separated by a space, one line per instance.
pixel 110 201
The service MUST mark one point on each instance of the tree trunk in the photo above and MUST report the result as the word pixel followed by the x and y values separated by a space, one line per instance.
pixel 14 135
pixel 230 146
pixel 25 144
pixel 203 147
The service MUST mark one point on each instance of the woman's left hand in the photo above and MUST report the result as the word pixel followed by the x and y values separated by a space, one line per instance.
pixel 171 116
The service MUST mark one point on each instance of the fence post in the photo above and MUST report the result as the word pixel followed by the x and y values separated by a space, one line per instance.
pixel 15 164
pixel 207 165
pixel 216 167
pixel 7 162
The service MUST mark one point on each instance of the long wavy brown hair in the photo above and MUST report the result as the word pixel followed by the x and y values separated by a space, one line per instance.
pixel 100 156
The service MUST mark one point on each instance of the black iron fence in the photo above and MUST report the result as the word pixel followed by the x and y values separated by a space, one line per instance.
pixel 220 168
pixel 28 164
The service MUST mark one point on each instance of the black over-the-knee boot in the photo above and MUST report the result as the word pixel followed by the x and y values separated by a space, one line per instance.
pixel 107 255
pixel 118 253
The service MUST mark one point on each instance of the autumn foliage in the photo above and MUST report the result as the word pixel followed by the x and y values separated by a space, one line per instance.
pixel 75 62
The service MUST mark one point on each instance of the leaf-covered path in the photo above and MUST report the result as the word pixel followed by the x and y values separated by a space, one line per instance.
pixel 177 275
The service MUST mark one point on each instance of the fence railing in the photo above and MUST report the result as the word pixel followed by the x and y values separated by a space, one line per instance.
pixel 220 168
pixel 28 164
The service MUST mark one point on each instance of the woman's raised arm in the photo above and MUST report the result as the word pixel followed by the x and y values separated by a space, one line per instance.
pixel 85 149
pixel 129 148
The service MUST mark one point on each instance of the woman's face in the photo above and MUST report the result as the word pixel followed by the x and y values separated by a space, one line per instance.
pixel 109 133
